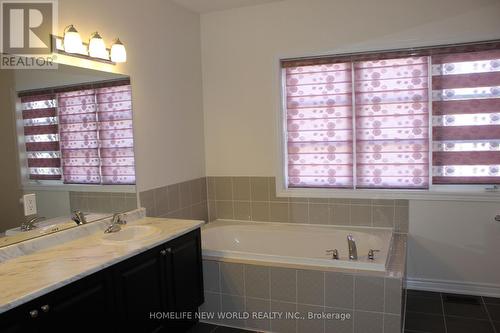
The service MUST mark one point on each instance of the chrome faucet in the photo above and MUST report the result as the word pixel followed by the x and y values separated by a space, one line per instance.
pixel 30 224
pixel 353 251
pixel 79 217
pixel 115 224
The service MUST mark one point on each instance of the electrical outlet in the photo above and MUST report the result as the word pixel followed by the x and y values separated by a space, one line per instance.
pixel 29 202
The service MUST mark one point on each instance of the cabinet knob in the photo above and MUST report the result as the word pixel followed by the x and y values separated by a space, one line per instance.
pixel 169 250
pixel 45 308
pixel 163 252
pixel 34 313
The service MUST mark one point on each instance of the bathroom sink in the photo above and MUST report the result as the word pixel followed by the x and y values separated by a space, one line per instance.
pixel 130 233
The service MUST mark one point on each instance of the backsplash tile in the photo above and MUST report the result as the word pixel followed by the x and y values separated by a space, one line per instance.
pixel 186 200
pixel 254 199
pixel 102 202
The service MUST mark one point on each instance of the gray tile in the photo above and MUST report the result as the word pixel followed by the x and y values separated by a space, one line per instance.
pixel 340 214
pixel 130 203
pixel 118 204
pixel 393 295
pixel 212 304
pixel 283 325
pixel 196 189
pixel 361 215
pixel 224 209
pixel 383 202
pixel 147 200
pixel 173 197
pixel 283 284
pixel 211 278
pixel 233 304
pixel 212 211
pixel 310 287
pixel 278 212
pixel 161 200
pixel 211 188
pixel 185 194
pixel 313 322
pixel 369 293
pixel 242 210
pixel 392 323
pixel 319 200
pixel 342 201
pixel 223 188
pixel 299 212
pixel 383 216
pixel 255 308
pixel 339 320
pixel 319 213
pixel 401 219
pixel 339 290
pixel 368 322
pixel 365 202
pixel 199 211
pixel 260 211
pixel 259 188
pixel 241 188
pixel 232 278
pixel 257 281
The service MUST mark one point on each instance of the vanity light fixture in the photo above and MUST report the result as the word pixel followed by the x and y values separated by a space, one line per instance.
pixel 72 40
pixel 97 48
pixel 118 52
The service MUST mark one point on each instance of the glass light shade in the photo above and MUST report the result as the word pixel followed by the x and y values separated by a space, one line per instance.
pixel 97 48
pixel 72 40
pixel 118 52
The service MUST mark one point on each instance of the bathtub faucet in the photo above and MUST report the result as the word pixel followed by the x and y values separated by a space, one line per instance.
pixel 353 251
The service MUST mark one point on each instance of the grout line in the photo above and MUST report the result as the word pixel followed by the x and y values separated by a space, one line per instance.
pixel 488 314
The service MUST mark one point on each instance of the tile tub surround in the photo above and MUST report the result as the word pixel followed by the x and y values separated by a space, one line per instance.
pixel 254 199
pixel 182 200
pixel 102 202
pixel 32 275
pixel 374 300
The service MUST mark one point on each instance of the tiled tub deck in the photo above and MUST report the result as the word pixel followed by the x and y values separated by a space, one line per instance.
pixel 369 301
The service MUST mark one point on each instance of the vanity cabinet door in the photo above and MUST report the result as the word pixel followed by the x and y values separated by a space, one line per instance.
pixel 82 305
pixel 20 319
pixel 140 290
pixel 184 276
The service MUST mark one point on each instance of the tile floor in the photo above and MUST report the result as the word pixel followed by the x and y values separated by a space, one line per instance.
pixel 428 312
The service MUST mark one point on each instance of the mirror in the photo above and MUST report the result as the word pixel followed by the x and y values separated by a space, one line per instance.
pixel 67 146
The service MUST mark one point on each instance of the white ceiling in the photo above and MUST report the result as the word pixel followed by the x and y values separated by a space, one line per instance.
pixel 205 6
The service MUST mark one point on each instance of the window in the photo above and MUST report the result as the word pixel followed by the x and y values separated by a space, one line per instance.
pixel 80 135
pixel 407 119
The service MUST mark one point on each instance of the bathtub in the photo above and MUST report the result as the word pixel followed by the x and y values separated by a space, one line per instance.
pixel 295 244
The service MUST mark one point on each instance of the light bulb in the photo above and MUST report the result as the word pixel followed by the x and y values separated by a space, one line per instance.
pixel 97 48
pixel 118 52
pixel 72 40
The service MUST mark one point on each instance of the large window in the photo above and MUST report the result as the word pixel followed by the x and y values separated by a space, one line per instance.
pixel 407 119
pixel 80 135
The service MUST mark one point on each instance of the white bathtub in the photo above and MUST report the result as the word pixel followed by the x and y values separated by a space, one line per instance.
pixel 295 244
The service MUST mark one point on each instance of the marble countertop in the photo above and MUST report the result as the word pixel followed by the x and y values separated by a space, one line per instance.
pixel 26 277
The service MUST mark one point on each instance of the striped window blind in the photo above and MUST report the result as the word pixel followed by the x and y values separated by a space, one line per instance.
pixel 81 135
pixel 41 137
pixel 362 120
pixel 466 118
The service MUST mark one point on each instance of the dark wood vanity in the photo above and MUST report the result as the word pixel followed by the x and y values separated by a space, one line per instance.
pixel 125 297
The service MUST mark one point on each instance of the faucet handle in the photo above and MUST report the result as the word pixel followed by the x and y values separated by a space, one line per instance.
pixel 118 219
pixel 334 253
pixel 371 254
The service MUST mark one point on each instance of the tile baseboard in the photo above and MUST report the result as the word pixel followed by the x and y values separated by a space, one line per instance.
pixel 454 287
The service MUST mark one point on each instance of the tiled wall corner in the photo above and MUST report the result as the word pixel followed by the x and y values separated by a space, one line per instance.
pixel 102 202
pixel 254 199
pixel 186 200
pixel 357 302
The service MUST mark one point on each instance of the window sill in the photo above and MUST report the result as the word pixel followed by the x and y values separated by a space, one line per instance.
pixel 78 187
pixel 433 194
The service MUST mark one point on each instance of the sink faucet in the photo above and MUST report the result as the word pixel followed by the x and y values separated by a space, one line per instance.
pixel 30 224
pixel 115 224
pixel 353 251
pixel 79 217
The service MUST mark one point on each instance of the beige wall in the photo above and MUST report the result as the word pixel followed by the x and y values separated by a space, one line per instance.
pixel 450 241
pixel 163 50
pixel 10 193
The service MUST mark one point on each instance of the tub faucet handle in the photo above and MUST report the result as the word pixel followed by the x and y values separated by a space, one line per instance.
pixel 371 254
pixel 334 253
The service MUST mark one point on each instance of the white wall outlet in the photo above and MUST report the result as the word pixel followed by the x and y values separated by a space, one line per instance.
pixel 29 202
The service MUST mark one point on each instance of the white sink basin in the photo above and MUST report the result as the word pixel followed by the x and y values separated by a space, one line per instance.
pixel 130 233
